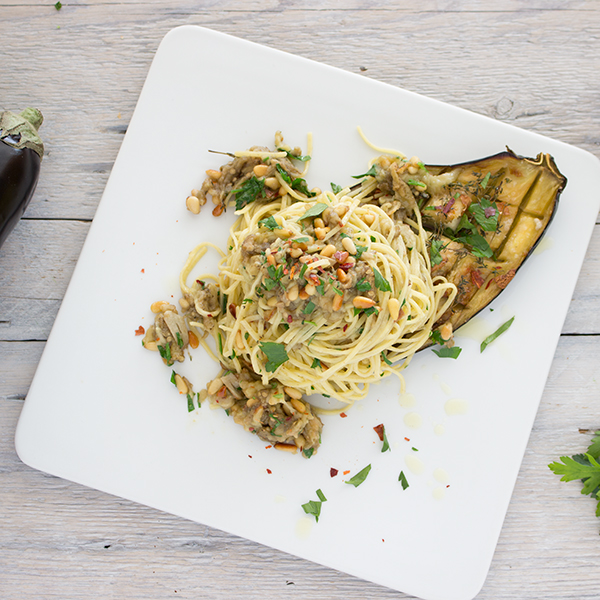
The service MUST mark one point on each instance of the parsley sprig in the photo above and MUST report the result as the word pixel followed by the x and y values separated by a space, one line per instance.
pixel 314 506
pixel 251 189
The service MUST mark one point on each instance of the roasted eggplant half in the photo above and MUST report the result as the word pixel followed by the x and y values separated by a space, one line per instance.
pixel 484 219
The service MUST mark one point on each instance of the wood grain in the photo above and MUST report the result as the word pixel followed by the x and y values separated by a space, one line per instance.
pixel 532 64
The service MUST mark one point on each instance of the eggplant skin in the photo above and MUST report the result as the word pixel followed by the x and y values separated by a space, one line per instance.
pixel 525 193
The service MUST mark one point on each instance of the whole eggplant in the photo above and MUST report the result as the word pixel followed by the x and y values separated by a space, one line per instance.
pixel 21 152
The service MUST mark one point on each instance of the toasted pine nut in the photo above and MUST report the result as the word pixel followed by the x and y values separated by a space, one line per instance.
pixel 341 275
pixel 341 209
pixel 194 341
pixel 214 386
pixel 151 345
pixel 337 301
pixel 318 222
pixel 196 193
pixel 271 259
pixel 272 301
pixel 446 331
pixel 299 406
pixel 369 218
pixel 184 303
pixel 161 306
pixel 292 293
pixel 414 160
pixel 302 294
pixel 363 302
pixel 215 200
pixel 321 232
pixel 218 210
pixel 413 170
pixel 239 340
pixel 349 245
pixel 316 191
pixel 296 252
pixel 192 204
pixel 394 308
pixel 286 447
pixel 310 289
pixel 293 392
pixel 214 175
pixel 329 250
pixel 260 170
pixel 182 388
pixel 282 233
pixel 273 183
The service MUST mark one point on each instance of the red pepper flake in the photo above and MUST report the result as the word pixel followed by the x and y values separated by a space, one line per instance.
pixel 249 455
pixel 448 206
pixel 143 270
pixel 448 486
pixel 346 266
pixel 407 439
pixel 232 310
pixel 290 319
pixel 382 540
pixel 269 471
pixel 285 271
pixel 379 431
pixel 343 415
pixel 267 447
pixel 346 472
pixel 140 331
pixel 333 472
pixel 345 327
pixel 476 278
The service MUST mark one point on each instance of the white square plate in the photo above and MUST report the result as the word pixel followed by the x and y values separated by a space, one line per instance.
pixel 102 412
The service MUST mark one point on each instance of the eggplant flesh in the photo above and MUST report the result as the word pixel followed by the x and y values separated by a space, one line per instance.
pixel 484 219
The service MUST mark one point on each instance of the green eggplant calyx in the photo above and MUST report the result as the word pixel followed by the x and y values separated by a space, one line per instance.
pixel 20 130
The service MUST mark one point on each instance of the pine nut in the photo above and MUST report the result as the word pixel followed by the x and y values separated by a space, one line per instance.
pixel 318 222
pixel 321 232
pixel 292 293
pixel 310 289
pixel 341 210
pixel 160 306
pixel 239 340
pixel 182 388
pixel 273 183
pixel 363 302
pixel 152 345
pixel 446 331
pixel 413 170
pixel 194 341
pixel 260 170
pixel 296 252
pixel 214 386
pixel 369 218
pixel 316 191
pixel 271 259
pixel 329 250
pixel 299 406
pixel 302 294
pixel 193 204
pixel 293 392
pixel 196 193
pixel 214 175
pixel 394 308
pixel 341 275
pixel 336 304
pixel 184 303
pixel 282 233
pixel 286 447
pixel 272 301
pixel 349 245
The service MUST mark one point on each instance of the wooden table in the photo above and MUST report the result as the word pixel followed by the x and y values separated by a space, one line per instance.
pixel 83 66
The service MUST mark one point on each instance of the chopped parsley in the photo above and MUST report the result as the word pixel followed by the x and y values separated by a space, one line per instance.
pixel 179 340
pixel 314 211
pixel 165 352
pixel 276 355
pixel 359 477
pixel 445 352
pixel 336 188
pixel 249 192
pixel 380 282
pixel 314 506
pixel 269 222
pixel 435 249
pixel 485 181
pixel 190 402
pixel 274 277
pixel 490 338
pixel 315 363
pixel 308 452
pixel 294 156
pixel 309 307
pixel 486 214
pixel 386 360
pixel 370 173
pixel 362 285
pixel 402 480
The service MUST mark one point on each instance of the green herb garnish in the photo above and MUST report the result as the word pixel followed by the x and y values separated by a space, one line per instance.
pixel 275 353
pixel 490 338
pixel 165 352
pixel 314 211
pixel 445 352
pixel 359 477
pixel 249 192
pixel 294 156
pixel 315 363
pixel 386 360
pixel 362 285
pixel 402 480
pixel 179 339
pixel 284 174
pixel 314 506
pixel 486 214
pixel 190 401
pixel 269 222
pixel 370 173
pixel 309 307
pixel 380 282
pixel 308 452
pixel 336 188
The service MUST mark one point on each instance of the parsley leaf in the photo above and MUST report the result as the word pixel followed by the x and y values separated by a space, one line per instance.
pixel 314 506
pixel 434 252
pixel 386 360
pixel 275 353
pixel 308 452
pixel 485 181
pixel 402 480
pixel 362 285
pixel 490 338
pixel 314 211
pixel 299 184
pixel 315 363
pixel 294 156
pixel 309 307
pixel 359 477
pixel 269 222
pixel 249 192
pixel 190 402
pixel 479 245
pixel 359 251
pixel 336 188
pixel 486 214
pixel 284 174
pixel 165 352
pixel 380 282
pixel 445 352
pixel 370 173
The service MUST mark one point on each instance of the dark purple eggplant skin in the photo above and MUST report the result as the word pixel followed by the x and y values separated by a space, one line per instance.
pixel 19 173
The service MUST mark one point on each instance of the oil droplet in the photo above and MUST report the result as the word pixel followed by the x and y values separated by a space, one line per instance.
pixel 280 499
pixel 545 244
pixel 414 464
pixel 441 476
pixel 439 493
pixel 476 329
pixel 407 400
pixel 413 420
pixel 439 429
pixel 304 526
pixel 446 389
pixel 456 406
